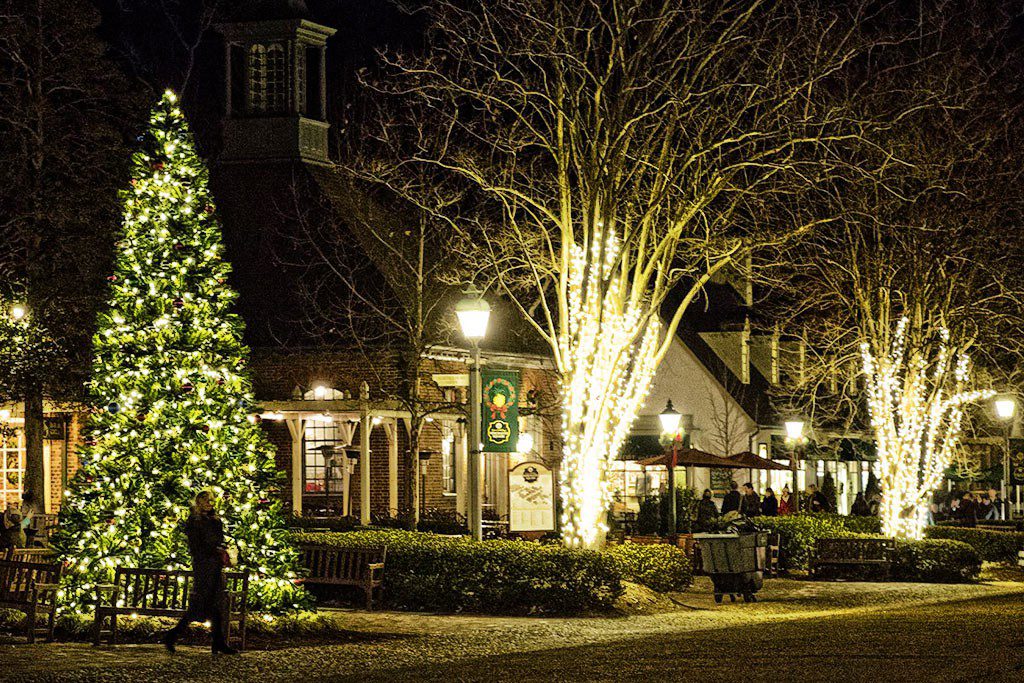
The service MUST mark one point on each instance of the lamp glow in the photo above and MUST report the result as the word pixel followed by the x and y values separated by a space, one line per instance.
pixel 1005 408
pixel 473 312
pixel 18 312
pixel 320 392
pixel 794 430
pixel 525 443
pixel 670 419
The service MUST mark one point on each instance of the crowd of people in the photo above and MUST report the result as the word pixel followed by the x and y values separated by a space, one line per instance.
pixel 747 502
pixel 967 508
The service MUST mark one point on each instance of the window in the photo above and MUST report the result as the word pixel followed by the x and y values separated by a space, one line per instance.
pixel 300 79
pixel 448 464
pixel 323 456
pixel 277 75
pixel 12 466
pixel 258 78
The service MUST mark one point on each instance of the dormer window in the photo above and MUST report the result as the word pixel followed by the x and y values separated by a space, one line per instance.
pixel 268 86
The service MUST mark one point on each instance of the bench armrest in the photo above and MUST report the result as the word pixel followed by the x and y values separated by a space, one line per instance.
pixel 375 568
pixel 109 590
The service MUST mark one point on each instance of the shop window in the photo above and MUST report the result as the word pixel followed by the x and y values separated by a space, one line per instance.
pixel 448 483
pixel 323 458
pixel 12 466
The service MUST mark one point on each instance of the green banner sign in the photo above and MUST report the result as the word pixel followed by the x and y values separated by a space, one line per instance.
pixel 500 424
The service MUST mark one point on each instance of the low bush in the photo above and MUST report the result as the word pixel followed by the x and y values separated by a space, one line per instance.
pixel 935 561
pixel 437 573
pixel 993 546
pixel 797 533
pixel 660 567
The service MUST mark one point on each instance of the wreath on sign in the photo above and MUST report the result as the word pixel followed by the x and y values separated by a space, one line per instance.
pixel 500 396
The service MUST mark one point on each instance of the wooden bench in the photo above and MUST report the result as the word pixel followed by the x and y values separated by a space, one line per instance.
pixel 852 552
pixel 362 567
pixel 31 588
pixel 43 555
pixel 164 593
pixel 41 528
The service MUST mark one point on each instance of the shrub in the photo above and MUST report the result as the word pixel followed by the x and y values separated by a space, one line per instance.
pixel 660 567
pixel 992 546
pixel 797 533
pixel 436 573
pixel 332 523
pixel 935 561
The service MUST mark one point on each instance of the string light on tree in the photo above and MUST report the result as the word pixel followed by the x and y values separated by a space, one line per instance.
pixel 172 394
pixel 916 401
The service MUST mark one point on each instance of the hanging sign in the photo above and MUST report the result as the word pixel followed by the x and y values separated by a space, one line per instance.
pixel 500 423
pixel 531 498
pixel 1016 462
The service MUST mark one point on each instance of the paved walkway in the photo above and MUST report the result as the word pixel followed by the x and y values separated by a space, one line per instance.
pixel 806 631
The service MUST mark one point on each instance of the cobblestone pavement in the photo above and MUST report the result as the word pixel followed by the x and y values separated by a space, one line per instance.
pixel 806 631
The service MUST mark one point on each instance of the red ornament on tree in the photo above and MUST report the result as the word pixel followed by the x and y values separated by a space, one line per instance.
pixel 179 303
pixel 157 165
pixel 141 416
pixel 205 428
pixel 208 208
pixel 187 387
pixel 111 278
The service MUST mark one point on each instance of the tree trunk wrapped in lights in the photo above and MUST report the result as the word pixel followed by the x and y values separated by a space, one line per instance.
pixel 614 158
pixel 172 399
pixel 916 405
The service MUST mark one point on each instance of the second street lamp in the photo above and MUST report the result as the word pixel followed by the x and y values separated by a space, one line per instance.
pixel 670 427
pixel 795 437
pixel 473 312
pixel 1006 408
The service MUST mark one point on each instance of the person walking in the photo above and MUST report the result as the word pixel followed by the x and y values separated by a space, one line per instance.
pixel 770 504
pixel 707 511
pixel 205 532
pixel 785 504
pixel 750 506
pixel 731 502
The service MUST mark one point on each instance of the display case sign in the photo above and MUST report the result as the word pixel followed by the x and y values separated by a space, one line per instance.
pixel 500 423
pixel 531 497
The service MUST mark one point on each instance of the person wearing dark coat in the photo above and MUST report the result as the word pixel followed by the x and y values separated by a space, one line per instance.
pixel 205 533
pixel 731 502
pixel 707 511
pixel 860 506
pixel 968 511
pixel 770 504
pixel 750 506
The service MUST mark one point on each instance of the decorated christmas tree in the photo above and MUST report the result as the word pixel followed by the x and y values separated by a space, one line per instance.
pixel 171 399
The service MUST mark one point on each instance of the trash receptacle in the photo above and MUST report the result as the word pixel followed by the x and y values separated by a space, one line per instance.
pixel 735 563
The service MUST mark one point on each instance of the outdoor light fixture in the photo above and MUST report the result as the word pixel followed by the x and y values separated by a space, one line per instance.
pixel 473 312
pixel 525 443
pixel 1005 407
pixel 18 312
pixel 670 419
pixel 794 430
pixel 320 392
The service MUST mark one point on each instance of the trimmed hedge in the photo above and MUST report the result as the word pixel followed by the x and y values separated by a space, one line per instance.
pixel 797 533
pixel 993 546
pixel 936 561
pixel 660 567
pixel 436 573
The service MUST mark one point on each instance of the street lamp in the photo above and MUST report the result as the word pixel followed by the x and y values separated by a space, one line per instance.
pixel 795 437
pixel 18 311
pixel 1006 408
pixel 473 312
pixel 670 427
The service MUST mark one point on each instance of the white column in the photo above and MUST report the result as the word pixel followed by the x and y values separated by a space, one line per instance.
pixel 391 429
pixel 460 446
pixel 295 426
pixel 365 427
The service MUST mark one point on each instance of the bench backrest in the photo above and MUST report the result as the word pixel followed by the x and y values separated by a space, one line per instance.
pixel 164 589
pixel 340 563
pixel 854 548
pixel 18 579
pixel 32 554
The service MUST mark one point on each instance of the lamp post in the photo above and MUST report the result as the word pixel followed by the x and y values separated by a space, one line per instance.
pixel 670 427
pixel 1006 408
pixel 473 312
pixel 795 437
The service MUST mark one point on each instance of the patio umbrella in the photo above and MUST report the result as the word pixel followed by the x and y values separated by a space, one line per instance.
pixel 690 457
pixel 751 461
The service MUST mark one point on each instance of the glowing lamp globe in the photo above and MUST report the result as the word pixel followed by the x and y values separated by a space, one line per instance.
pixel 18 312
pixel 669 419
pixel 1005 408
pixel 794 429
pixel 473 312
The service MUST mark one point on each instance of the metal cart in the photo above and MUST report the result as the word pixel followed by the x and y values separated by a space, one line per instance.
pixel 735 563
